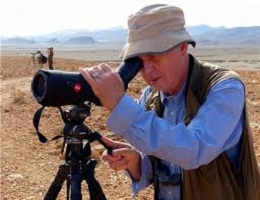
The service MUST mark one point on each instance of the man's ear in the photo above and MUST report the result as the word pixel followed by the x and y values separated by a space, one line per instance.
pixel 184 48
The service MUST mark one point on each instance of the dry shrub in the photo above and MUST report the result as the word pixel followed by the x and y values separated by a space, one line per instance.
pixel 18 96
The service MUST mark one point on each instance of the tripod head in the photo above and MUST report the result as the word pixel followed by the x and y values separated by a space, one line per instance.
pixel 77 113
pixel 75 132
pixel 73 118
pixel 34 53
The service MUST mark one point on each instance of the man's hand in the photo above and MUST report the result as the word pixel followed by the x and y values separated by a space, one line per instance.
pixel 124 157
pixel 105 83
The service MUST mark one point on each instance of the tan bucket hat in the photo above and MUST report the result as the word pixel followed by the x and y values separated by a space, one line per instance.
pixel 155 29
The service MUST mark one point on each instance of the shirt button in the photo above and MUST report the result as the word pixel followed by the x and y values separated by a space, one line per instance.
pixel 171 113
pixel 170 192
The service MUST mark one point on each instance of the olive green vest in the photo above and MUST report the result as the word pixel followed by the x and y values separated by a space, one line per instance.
pixel 218 180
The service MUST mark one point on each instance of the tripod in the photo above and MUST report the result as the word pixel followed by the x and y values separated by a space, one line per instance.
pixel 32 59
pixel 78 165
pixel 35 60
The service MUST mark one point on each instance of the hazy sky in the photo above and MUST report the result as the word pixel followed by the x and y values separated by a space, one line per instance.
pixel 35 17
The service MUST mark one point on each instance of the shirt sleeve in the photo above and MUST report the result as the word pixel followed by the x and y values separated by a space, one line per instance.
pixel 146 175
pixel 212 130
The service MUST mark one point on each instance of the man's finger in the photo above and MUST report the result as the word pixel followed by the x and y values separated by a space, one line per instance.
pixel 110 158
pixel 122 152
pixel 87 77
pixel 105 67
pixel 119 165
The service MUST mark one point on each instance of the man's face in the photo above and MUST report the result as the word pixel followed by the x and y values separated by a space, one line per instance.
pixel 166 72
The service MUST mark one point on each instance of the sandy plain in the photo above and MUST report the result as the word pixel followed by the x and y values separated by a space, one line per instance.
pixel 28 167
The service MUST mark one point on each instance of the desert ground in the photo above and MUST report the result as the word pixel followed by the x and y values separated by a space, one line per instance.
pixel 28 167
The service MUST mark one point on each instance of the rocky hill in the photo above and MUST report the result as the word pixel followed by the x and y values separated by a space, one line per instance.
pixel 80 40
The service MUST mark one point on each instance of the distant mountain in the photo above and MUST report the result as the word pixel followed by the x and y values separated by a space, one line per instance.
pixel 230 36
pixel 202 34
pixel 80 40
pixel 110 35
pixel 102 35
pixel 63 36
pixel 17 40
pixel 53 41
pixel 196 30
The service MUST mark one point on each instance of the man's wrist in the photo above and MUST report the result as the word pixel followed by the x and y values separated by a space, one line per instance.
pixel 115 103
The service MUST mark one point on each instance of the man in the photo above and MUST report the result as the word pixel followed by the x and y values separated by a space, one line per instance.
pixel 189 133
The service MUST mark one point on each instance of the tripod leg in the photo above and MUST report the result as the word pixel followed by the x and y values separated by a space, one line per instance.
pixel 76 182
pixel 56 185
pixel 28 63
pixel 95 190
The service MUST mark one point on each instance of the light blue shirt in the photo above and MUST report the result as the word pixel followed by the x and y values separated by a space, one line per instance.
pixel 216 128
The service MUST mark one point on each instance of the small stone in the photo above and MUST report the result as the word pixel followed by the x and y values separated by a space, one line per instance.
pixel 31 197
pixel 12 177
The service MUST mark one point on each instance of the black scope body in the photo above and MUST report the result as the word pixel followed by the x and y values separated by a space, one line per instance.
pixel 59 88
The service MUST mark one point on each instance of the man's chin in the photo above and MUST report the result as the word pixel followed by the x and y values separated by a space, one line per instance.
pixel 155 81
